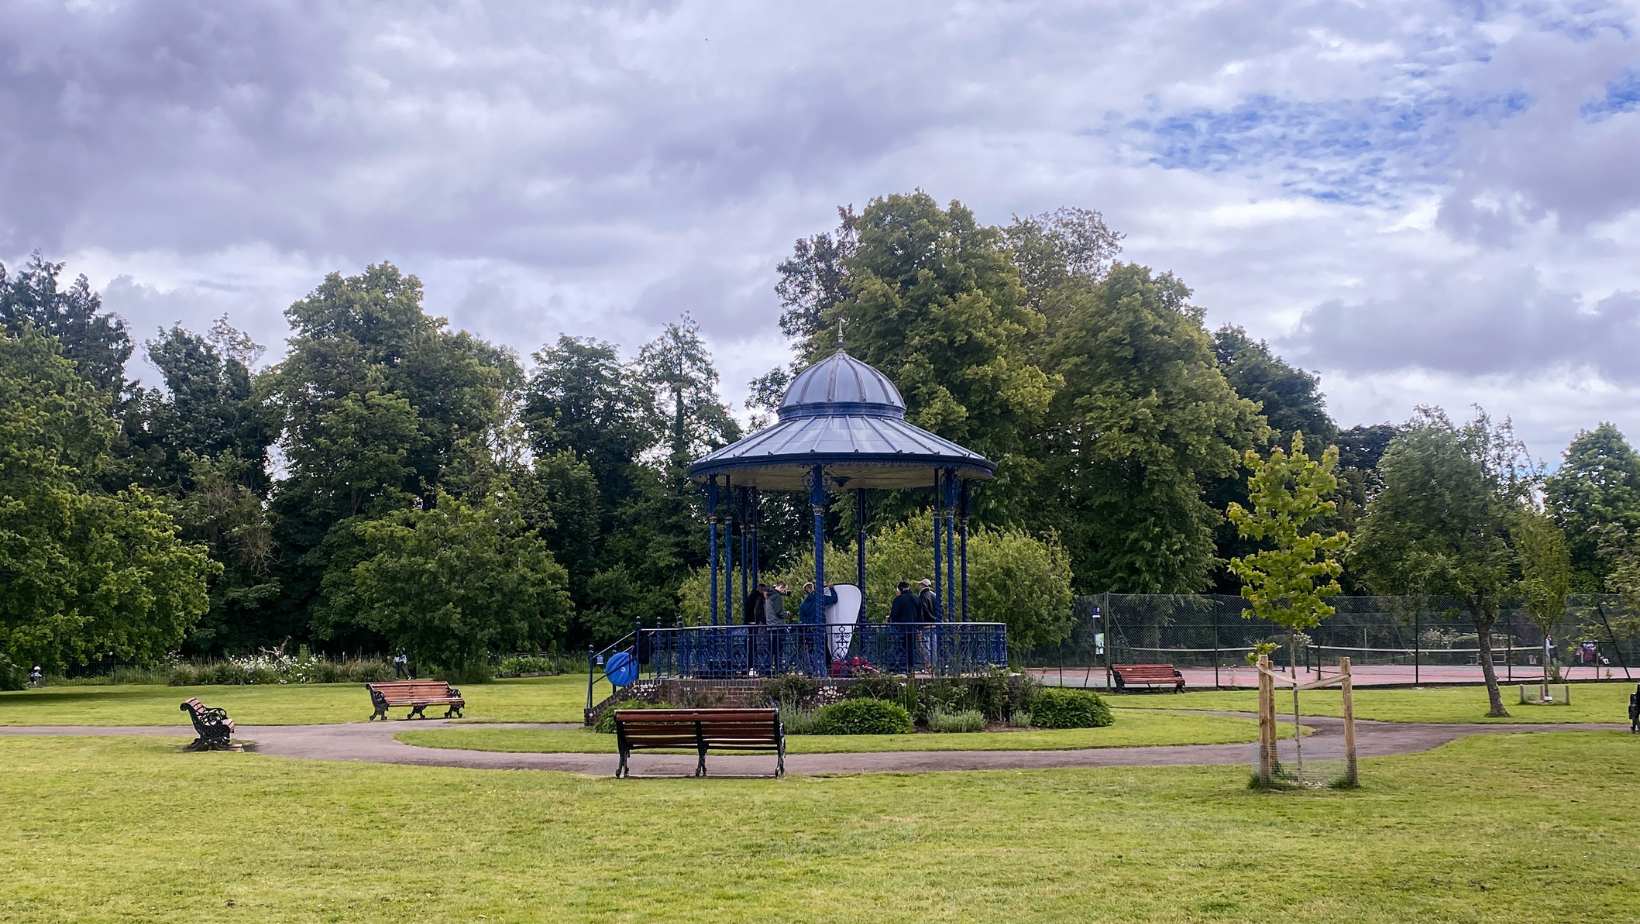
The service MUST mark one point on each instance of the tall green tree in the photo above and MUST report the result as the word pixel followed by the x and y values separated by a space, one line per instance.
pixel 814 279
pixel 1597 486
pixel 378 401
pixel 931 298
pixel 95 341
pixel 685 408
pixel 584 400
pixel 1290 496
pixel 1289 397
pixel 85 574
pixel 1440 526
pixel 1290 400
pixel 208 409
pixel 1063 247
pixel 1144 423
pixel 454 585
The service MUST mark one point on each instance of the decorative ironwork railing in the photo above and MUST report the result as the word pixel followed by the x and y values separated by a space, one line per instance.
pixel 941 649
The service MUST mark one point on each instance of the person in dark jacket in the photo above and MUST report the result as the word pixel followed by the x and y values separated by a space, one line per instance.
pixel 905 607
pixel 905 613
pixel 928 602
pixel 813 611
pixel 774 606
pixel 753 610
pixel 814 653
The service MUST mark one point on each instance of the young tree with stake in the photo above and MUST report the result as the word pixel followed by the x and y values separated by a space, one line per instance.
pixel 1288 582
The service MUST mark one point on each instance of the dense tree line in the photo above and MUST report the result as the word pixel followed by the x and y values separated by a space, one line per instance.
pixel 393 480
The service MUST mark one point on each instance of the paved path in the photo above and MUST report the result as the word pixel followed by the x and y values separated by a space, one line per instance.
pixel 375 743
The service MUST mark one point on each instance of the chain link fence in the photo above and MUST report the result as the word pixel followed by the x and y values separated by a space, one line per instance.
pixel 1408 640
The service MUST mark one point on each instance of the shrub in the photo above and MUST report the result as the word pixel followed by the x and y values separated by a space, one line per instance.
pixel 1019 718
pixel 862 717
pixel 606 722
pixel 264 669
pixel 797 721
pixel 12 677
pixel 1061 708
pixel 968 720
pixel 876 686
pixel 791 690
pixel 943 695
pixel 534 666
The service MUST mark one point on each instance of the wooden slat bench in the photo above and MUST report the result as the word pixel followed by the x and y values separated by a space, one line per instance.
pixel 700 730
pixel 1148 675
pixel 417 694
pixel 211 724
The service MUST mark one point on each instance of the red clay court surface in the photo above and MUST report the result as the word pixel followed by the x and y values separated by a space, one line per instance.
pixel 1363 675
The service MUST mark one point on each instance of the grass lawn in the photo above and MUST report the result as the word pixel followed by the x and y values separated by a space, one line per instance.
pixel 1487 829
pixel 1131 729
pixel 547 699
pixel 1591 702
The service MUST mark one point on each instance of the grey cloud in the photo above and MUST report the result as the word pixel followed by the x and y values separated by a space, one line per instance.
pixel 1478 322
pixel 596 168
pixel 1554 160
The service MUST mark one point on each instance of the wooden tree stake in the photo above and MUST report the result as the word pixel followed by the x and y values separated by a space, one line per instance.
pixel 1350 775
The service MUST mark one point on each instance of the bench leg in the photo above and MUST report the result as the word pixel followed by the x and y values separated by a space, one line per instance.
pixel 379 713
pixel 416 713
pixel 453 711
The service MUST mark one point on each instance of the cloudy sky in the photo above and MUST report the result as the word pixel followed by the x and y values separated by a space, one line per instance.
pixel 1424 202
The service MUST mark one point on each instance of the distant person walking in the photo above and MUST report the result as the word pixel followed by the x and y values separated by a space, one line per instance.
pixel 36 676
pixel 401 666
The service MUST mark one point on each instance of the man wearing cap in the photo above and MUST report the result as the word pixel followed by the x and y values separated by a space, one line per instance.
pixel 928 603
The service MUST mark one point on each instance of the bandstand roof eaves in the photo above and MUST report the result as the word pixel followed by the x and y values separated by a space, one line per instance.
pixel 866 451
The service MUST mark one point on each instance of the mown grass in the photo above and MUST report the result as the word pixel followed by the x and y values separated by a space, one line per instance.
pixel 1486 829
pixel 1153 728
pixel 1591 702
pixel 546 699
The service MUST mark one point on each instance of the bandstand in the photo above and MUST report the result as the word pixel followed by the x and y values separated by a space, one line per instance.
pixel 841 432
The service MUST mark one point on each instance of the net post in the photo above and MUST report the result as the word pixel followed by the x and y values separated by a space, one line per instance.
pixel 1216 685
pixel 1350 776
pixel 1417 642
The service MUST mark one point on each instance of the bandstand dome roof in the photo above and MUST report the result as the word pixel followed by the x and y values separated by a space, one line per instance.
pixel 847 416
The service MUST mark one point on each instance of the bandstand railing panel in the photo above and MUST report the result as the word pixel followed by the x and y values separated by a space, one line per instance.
pixel 732 652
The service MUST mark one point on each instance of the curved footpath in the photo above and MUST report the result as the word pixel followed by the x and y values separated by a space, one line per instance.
pixel 375 743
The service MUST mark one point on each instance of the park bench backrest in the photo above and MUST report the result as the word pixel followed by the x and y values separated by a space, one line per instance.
pixel 1146 671
pixel 409 692
pixel 651 728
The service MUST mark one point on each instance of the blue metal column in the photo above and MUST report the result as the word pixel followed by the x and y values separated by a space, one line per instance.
pixel 743 547
pixel 860 548
pixel 712 534
pixel 814 661
pixel 756 518
pixel 950 592
pixel 729 554
pixel 962 533
pixel 939 495
pixel 817 502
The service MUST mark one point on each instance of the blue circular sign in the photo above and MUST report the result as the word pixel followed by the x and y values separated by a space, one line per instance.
pixel 621 669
